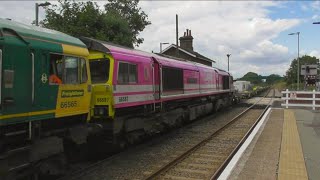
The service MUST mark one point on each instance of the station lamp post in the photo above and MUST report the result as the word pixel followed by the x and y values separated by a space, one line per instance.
pixel 161 46
pixel 37 10
pixel 228 55
pixel 298 71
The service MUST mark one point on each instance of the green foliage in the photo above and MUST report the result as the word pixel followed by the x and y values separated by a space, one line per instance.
pixel 291 74
pixel 256 79
pixel 130 11
pixel 120 22
pixel 273 78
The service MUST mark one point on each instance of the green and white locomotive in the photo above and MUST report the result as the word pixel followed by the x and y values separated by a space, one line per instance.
pixel 44 92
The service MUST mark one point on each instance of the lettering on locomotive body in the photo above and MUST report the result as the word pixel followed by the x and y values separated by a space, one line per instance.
pixel 71 93
pixel 68 104
pixel 123 99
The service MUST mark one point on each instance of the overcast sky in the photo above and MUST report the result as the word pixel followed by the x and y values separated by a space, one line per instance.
pixel 255 33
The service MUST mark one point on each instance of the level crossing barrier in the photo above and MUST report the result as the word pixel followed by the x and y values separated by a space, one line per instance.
pixel 301 99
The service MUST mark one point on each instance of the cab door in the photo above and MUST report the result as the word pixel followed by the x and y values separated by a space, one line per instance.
pixel 45 93
pixel 16 83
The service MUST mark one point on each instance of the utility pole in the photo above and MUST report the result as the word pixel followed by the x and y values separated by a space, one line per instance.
pixel 177 34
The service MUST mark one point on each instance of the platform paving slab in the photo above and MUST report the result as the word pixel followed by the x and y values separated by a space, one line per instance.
pixel 308 123
pixel 260 160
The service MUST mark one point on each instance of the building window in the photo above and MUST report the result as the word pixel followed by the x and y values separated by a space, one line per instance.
pixel 128 73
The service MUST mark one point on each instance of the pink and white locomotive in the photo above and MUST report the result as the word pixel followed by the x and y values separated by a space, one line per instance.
pixel 141 93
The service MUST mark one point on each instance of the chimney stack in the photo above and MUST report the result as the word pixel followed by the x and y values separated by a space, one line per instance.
pixel 186 42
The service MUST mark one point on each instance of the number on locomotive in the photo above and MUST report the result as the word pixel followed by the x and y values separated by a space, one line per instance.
pixel 101 99
pixel 68 104
pixel 123 99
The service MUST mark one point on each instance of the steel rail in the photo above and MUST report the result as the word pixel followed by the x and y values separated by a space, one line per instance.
pixel 226 162
pixel 197 146
pixel 93 166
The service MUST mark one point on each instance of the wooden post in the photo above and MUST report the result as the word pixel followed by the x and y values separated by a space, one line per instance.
pixel 314 100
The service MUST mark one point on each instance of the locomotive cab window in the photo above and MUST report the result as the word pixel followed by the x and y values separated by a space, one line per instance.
pixel 99 69
pixel 127 73
pixel 71 75
pixel 67 70
pixel 56 66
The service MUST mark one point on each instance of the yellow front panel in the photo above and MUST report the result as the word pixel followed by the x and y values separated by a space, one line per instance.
pixel 73 100
pixel 102 94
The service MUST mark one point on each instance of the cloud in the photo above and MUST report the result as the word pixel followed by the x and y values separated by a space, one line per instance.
pixel 315 53
pixel 304 7
pixel 315 17
pixel 240 28
pixel 243 29
pixel 315 5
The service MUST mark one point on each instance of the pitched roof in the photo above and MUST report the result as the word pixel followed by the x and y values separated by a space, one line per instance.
pixel 189 52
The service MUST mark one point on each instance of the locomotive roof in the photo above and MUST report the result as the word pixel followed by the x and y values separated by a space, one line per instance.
pixel 109 48
pixel 38 32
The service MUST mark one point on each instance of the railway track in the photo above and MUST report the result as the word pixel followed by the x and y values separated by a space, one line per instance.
pixel 207 159
pixel 149 162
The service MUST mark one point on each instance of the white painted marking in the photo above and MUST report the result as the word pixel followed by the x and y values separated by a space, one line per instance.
pixel 227 171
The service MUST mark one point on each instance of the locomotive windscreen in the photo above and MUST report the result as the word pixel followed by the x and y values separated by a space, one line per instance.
pixel 172 79
pixel 99 70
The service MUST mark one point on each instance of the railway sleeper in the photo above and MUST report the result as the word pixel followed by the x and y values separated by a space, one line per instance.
pixel 112 135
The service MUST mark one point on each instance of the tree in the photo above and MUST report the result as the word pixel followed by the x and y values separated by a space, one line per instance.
pixel 254 78
pixel 117 25
pixel 291 74
pixel 273 78
pixel 130 11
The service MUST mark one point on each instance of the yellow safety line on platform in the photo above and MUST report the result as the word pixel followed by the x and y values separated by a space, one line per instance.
pixel 292 165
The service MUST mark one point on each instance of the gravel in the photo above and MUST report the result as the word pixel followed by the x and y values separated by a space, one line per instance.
pixel 140 161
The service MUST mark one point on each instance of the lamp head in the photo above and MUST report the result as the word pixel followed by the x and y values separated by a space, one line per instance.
pixel 45 4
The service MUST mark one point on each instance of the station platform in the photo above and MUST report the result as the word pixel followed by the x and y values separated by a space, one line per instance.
pixel 286 147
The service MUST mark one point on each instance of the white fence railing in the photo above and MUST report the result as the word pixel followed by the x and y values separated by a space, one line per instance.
pixel 300 99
